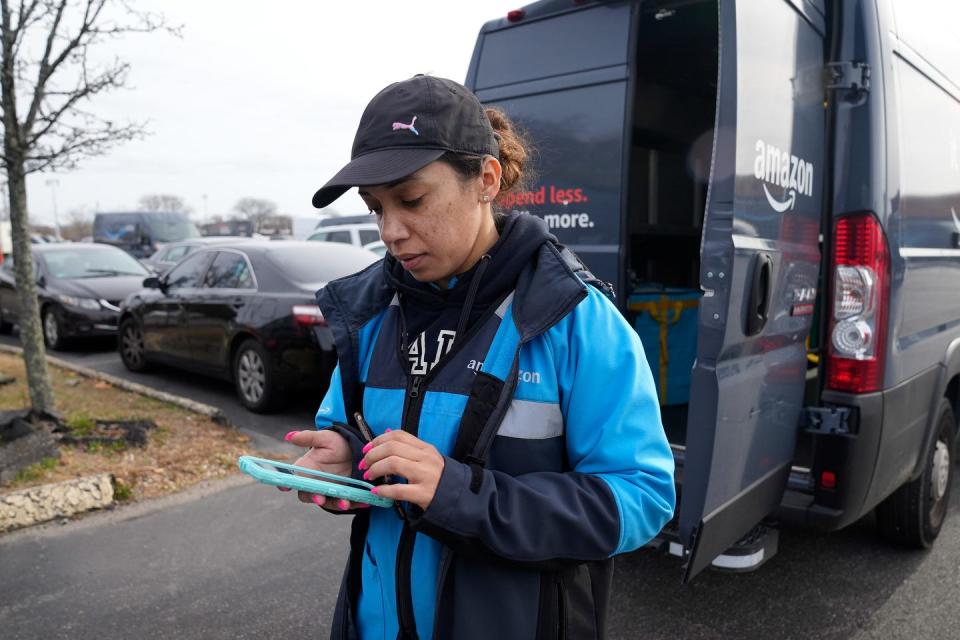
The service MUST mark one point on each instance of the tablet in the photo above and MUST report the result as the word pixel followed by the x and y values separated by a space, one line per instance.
pixel 281 474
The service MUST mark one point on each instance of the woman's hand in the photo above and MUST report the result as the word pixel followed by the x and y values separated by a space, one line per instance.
pixel 329 452
pixel 399 453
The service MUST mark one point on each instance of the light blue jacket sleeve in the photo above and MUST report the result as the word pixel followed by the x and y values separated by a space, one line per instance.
pixel 612 416
pixel 332 409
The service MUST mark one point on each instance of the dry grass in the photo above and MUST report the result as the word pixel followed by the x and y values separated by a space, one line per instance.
pixel 185 449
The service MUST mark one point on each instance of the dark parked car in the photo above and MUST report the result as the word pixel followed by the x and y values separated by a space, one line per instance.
pixel 244 312
pixel 80 286
pixel 170 254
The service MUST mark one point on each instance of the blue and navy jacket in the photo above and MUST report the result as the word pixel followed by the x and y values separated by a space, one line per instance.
pixel 555 460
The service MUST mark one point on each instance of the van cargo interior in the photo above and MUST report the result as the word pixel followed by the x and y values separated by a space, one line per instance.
pixel 674 105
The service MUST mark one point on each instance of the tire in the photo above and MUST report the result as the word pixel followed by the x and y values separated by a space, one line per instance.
pixel 913 515
pixel 254 377
pixel 53 336
pixel 130 346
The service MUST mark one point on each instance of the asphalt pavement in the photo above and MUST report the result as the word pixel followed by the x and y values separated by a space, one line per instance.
pixel 240 560
pixel 235 559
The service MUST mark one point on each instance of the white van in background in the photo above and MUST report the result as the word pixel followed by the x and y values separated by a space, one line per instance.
pixel 360 230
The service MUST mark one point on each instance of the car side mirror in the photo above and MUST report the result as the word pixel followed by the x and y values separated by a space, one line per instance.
pixel 152 282
pixel 41 281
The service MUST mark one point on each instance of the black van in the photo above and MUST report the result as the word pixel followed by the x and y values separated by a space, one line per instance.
pixel 140 233
pixel 795 166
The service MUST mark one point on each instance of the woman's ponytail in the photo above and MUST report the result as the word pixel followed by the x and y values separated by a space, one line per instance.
pixel 514 151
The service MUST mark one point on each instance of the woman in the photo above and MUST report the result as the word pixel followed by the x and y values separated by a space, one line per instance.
pixel 515 417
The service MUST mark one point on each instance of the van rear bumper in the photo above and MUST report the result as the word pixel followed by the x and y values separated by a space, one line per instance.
pixel 876 452
pixel 850 457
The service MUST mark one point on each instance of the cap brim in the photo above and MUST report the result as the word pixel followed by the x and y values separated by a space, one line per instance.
pixel 377 167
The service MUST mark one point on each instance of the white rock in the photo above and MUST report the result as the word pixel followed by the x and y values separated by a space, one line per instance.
pixel 39 504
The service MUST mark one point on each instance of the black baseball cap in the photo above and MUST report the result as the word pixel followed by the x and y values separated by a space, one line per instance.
pixel 407 126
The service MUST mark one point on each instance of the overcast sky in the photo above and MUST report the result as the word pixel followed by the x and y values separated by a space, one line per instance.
pixel 258 99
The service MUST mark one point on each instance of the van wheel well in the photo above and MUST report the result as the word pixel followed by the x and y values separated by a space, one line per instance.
pixel 235 343
pixel 953 396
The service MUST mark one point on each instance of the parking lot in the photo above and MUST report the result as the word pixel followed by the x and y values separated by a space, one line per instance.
pixel 593 272
pixel 241 561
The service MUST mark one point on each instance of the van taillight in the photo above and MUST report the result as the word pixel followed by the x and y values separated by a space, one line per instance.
pixel 858 322
pixel 828 480
pixel 308 314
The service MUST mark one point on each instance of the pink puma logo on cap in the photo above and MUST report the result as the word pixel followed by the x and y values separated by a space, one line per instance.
pixel 400 125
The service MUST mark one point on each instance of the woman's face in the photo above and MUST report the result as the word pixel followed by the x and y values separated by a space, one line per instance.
pixel 433 222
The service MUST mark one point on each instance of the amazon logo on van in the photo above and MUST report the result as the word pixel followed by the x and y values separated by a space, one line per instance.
pixel 782 169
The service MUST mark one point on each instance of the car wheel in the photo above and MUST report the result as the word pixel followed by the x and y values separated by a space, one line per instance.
pixel 52 329
pixel 132 351
pixel 6 328
pixel 913 515
pixel 253 376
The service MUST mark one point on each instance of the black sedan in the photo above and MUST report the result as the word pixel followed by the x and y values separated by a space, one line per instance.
pixel 80 288
pixel 170 254
pixel 244 312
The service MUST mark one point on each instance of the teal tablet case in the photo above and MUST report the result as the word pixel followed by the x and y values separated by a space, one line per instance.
pixel 328 484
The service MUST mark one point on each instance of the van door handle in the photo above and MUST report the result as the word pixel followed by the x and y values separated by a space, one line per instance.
pixel 758 304
pixel 237 303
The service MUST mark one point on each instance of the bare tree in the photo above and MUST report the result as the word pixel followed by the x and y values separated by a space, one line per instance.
pixel 164 202
pixel 47 77
pixel 79 227
pixel 256 210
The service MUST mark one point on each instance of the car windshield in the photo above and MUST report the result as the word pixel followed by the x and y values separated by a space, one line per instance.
pixel 326 262
pixel 72 264
pixel 172 229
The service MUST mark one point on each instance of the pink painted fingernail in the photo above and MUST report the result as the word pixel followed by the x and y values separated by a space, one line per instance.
pixel 317 500
pixel 343 504
pixel 374 490
pixel 290 435
pixel 367 447
pixel 362 465
pixel 366 475
pixel 284 488
pixel 389 429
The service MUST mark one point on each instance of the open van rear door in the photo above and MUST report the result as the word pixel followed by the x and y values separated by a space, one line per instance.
pixel 759 265
pixel 561 73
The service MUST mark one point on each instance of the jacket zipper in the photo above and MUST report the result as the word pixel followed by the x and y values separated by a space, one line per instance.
pixel 412 405
pixel 405 615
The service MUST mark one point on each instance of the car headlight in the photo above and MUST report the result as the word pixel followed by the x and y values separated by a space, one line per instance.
pixel 82 303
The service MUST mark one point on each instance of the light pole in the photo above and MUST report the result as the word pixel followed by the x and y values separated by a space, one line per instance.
pixel 53 183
